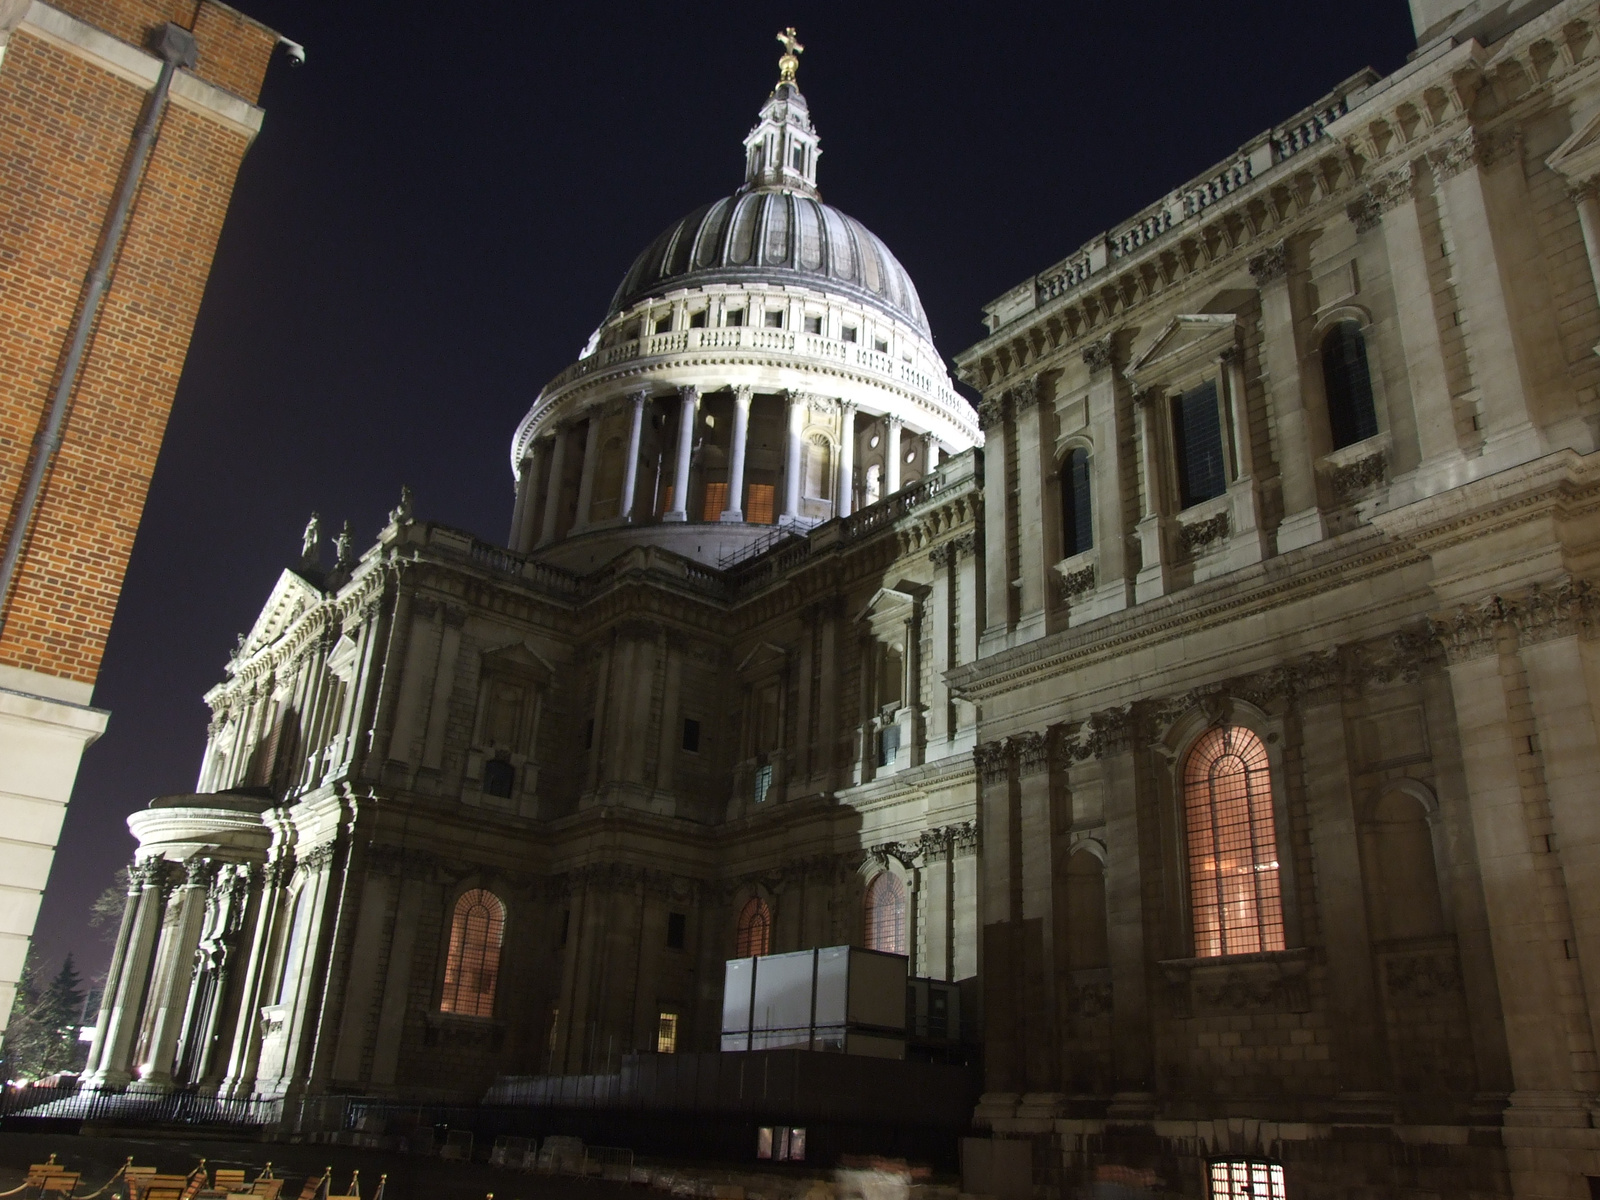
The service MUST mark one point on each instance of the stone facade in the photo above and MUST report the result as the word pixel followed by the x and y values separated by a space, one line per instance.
pixel 79 79
pixel 1228 716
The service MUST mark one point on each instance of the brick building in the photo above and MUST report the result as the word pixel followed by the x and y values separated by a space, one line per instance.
pixel 122 126
pixel 1222 711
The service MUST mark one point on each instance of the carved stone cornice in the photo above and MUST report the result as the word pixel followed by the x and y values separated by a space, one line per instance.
pixel 991 412
pixel 318 858
pixel 1384 194
pixel 1032 753
pixel 1026 394
pixel 1270 265
pixel 1471 631
pixel 993 761
pixel 948 841
pixel 1547 611
pixel 1475 147
pixel 904 853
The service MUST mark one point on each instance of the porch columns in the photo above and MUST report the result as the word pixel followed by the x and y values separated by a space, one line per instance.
pixel 552 489
pixel 630 470
pixel 733 509
pixel 845 493
pixel 688 405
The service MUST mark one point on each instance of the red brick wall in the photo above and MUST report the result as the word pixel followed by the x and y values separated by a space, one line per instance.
pixel 65 127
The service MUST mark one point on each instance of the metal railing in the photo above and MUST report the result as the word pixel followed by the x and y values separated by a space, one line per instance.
pixel 68 1102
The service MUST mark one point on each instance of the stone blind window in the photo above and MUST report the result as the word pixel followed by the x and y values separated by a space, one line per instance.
pixel 1077 528
pixel 1347 383
pixel 819 468
pixel 1197 441
pixel 755 929
pixel 1233 845
pixel 472 966
pixel 886 914
pixel 1246 1179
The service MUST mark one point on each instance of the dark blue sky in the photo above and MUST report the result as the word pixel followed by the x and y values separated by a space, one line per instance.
pixel 444 198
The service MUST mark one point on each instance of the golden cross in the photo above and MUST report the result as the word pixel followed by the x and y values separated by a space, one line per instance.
pixel 789 63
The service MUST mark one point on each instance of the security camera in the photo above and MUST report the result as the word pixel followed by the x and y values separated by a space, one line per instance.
pixel 295 51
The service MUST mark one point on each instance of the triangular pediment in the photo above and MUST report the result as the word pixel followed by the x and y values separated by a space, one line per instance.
pixel 519 658
pixel 1578 158
pixel 1185 339
pixel 291 596
pixel 765 657
pixel 888 601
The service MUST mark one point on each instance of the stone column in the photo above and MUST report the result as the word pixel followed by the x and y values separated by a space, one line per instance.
pixel 797 402
pixel 688 406
pixel 119 954
pixel 1124 785
pixel 941 723
pixel 1000 919
pixel 1247 542
pixel 891 455
pixel 845 494
pixel 1302 436
pixel 126 992
pixel 1516 869
pixel 996 577
pixel 552 488
pixel 1033 556
pixel 1041 1059
pixel 177 952
pixel 1392 203
pixel 733 510
pixel 1154 556
pixel 244 1055
pixel 536 465
pixel 630 467
pixel 591 452
pixel 1587 199
pixel 519 510
pixel 1517 358
pixel 1108 481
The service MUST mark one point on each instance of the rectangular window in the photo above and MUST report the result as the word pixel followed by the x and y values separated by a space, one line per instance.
pixel 1246 1179
pixel 781 1143
pixel 733 318
pixel 716 501
pixel 799 158
pixel 1197 439
pixel 775 318
pixel 691 735
pixel 664 324
pixel 763 783
pixel 667 1033
pixel 677 926
pixel 848 333
pixel 758 504
pixel 888 745
pixel 881 345
pixel 697 320
pixel 588 734
pixel 566 924
pixel 813 324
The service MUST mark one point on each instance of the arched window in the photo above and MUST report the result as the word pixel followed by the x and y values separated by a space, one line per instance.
pixel 886 914
pixel 1087 943
pixel 472 966
pixel 1348 384
pixel 755 929
pixel 1077 528
pixel 1233 845
pixel 819 468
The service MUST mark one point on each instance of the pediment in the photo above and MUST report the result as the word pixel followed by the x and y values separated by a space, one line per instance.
pixel 1578 158
pixel 763 659
pixel 519 658
pixel 1186 339
pixel 888 601
pixel 291 596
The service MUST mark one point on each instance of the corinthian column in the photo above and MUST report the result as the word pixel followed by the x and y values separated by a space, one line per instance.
pixel 591 451
pixel 125 991
pixel 734 508
pixel 845 493
pixel 791 457
pixel 630 471
pixel 552 491
pixel 688 402
pixel 891 455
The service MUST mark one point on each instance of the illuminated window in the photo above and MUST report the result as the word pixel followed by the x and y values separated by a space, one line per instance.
pixel 1246 1179
pixel 716 501
pixel 755 929
pixel 667 1033
pixel 472 966
pixel 886 914
pixel 1233 846
pixel 763 783
pixel 1077 529
pixel 758 504
pixel 1348 384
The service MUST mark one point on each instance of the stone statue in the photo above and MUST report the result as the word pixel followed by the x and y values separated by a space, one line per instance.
pixel 311 541
pixel 344 547
pixel 401 513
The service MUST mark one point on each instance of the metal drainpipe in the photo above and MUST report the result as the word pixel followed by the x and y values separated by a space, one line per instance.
pixel 176 46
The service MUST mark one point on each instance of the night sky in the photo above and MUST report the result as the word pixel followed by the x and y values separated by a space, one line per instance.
pixel 445 196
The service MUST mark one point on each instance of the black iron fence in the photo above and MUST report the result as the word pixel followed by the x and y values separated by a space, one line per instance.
pixel 66 1101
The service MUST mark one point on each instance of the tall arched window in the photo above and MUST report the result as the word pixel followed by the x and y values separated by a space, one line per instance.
pixel 1233 845
pixel 755 929
pixel 1403 878
pixel 1077 527
pixel 1348 384
pixel 1087 942
pixel 886 914
pixel 819 468
pixel 472 966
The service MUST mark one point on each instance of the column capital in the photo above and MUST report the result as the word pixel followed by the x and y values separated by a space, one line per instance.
pixel 689 392
pixel 1099 355
pixel 893 421
pixel 848 406
pixel 743 394
pixel 991 412
pixel 1271 265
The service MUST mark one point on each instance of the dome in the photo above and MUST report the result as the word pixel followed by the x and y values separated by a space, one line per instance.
pixel 773 236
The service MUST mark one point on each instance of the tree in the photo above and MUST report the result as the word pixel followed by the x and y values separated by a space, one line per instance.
pixel 42 1038
pixel 106 913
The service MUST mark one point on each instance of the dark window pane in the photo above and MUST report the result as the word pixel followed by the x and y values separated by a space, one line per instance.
pixel 498 777
pixel 691 735
pixel 1077 526
pixel 1351 416
pixel 677 924
pixel 1197 437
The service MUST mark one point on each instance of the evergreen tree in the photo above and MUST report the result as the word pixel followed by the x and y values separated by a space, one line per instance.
pixel 42 1037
